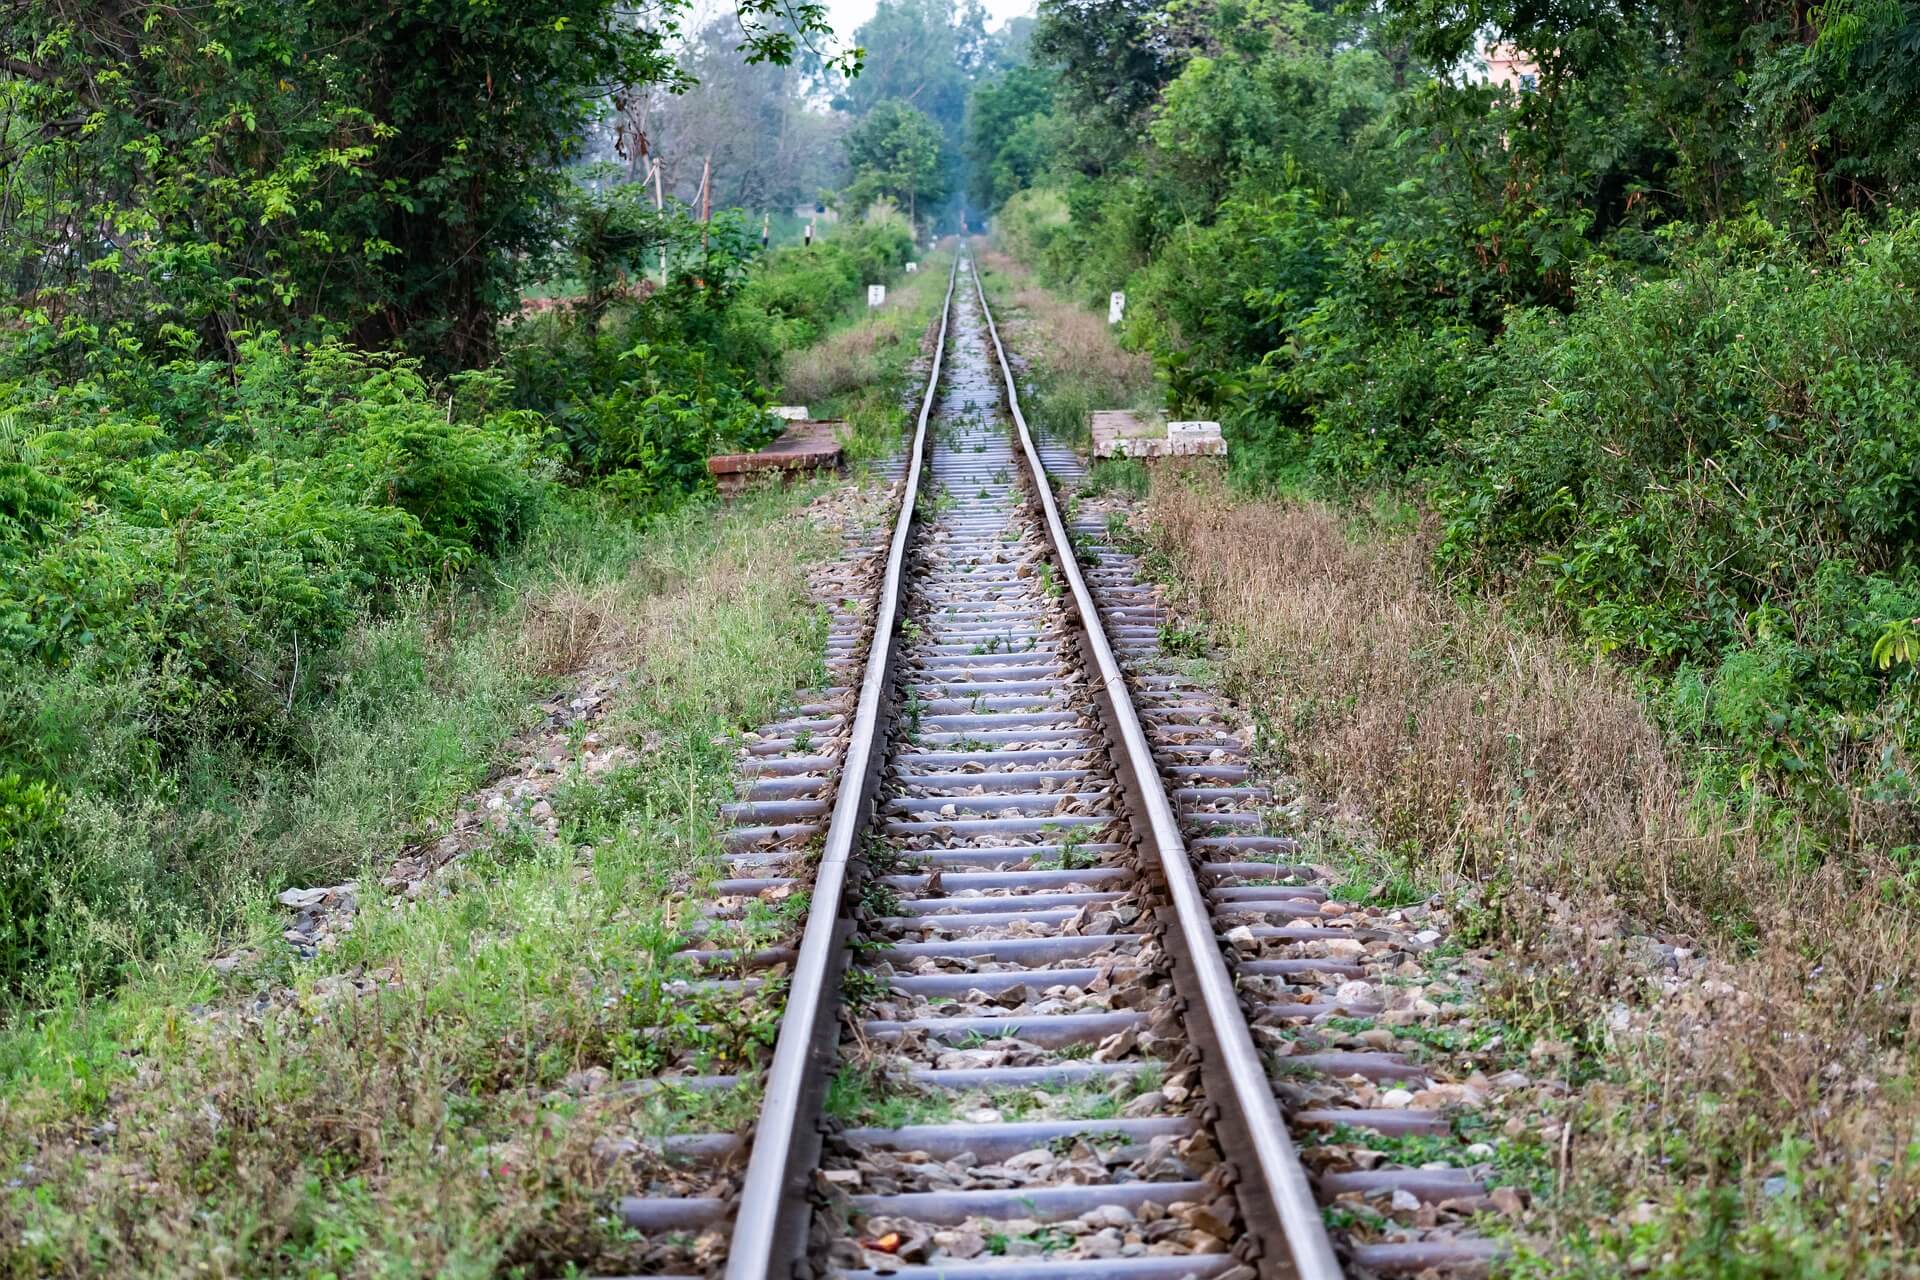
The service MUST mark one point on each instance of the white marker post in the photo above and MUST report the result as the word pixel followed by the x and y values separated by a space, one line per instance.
pixel 912 267
pixel 876 294
pixel 1116 307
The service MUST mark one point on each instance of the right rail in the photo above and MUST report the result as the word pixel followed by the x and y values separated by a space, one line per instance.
pixel 1277 1195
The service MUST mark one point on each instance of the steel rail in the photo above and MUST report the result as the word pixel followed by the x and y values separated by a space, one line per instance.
pixel 771 1220
pixel 1285 1181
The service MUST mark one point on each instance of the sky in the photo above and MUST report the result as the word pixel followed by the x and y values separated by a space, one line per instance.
pixel 847 15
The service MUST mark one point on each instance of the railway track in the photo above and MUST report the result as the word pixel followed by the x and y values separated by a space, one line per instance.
pixel 1060 997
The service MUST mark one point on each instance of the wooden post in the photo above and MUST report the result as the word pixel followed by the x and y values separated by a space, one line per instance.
pixel 706 199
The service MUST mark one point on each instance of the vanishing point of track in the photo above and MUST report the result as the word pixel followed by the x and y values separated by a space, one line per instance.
pixel 1011 914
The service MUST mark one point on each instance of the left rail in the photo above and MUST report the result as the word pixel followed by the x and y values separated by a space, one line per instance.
pixel 772 1214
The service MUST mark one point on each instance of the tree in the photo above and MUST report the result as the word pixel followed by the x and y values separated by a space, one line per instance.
pixel 384 167
pixel 1704 110
pixel 1006 149
pixel 927 54
pixel 896 153
pixel 921 52
pixel 769 146
pixel 1112 65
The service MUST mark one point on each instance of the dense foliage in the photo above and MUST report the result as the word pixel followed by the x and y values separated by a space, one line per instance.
pixel 386 172
pixel 1716 469
pixel 895 153
pixel 183 548
pixel 643 395
pixel 1639 325
pixel 267 379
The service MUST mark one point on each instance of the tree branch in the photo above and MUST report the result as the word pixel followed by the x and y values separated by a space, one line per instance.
pixel 28 71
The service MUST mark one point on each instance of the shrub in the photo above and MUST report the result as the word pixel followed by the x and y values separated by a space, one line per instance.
pixel 29 814
pixel 181 545
pixel 192 554
pixel 1031 224
pixel 1220 302
pixel 1715 468
pixel 642 396
pixel 1386 398
pixel 802 290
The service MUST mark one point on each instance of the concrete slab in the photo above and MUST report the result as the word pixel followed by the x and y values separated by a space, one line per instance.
pixel 804 447
pixel 1121 433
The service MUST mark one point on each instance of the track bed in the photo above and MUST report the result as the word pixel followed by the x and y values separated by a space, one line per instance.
pixel 1058 986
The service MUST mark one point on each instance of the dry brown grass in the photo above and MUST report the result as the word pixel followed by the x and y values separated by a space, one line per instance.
pixel 1494 761
pixel 844 361
pixel 869 352
pixel 1070 351
pixel 1076 341
pixel 566 625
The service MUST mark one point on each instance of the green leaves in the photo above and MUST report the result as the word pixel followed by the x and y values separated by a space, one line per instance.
pixel 1899 642
pixel 895 153
pixel 1711 471
pixel 387 171
pixel 1006 147
pixel 777 30
pixel 336 476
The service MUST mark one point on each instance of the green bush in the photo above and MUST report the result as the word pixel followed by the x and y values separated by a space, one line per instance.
pixel 1032 224
pixel 644 393
pixel 800 291
pixel 182 545
pixel 1385 399
pixel 207 568
pixel 29 814
pixel 1217 306
pixel 1716 468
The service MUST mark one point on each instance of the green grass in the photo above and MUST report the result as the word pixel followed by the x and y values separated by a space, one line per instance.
pixel 1127 476
pixel 424 1126
pixel 859 1097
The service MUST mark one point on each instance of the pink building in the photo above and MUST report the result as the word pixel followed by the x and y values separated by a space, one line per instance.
pixel 1509 68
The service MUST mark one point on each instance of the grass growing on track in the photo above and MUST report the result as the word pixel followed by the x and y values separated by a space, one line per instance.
pixel 1065 357
pixel 420 1127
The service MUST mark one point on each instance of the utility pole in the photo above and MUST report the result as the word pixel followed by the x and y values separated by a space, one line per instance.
pixel 638 147
pixel 706 199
